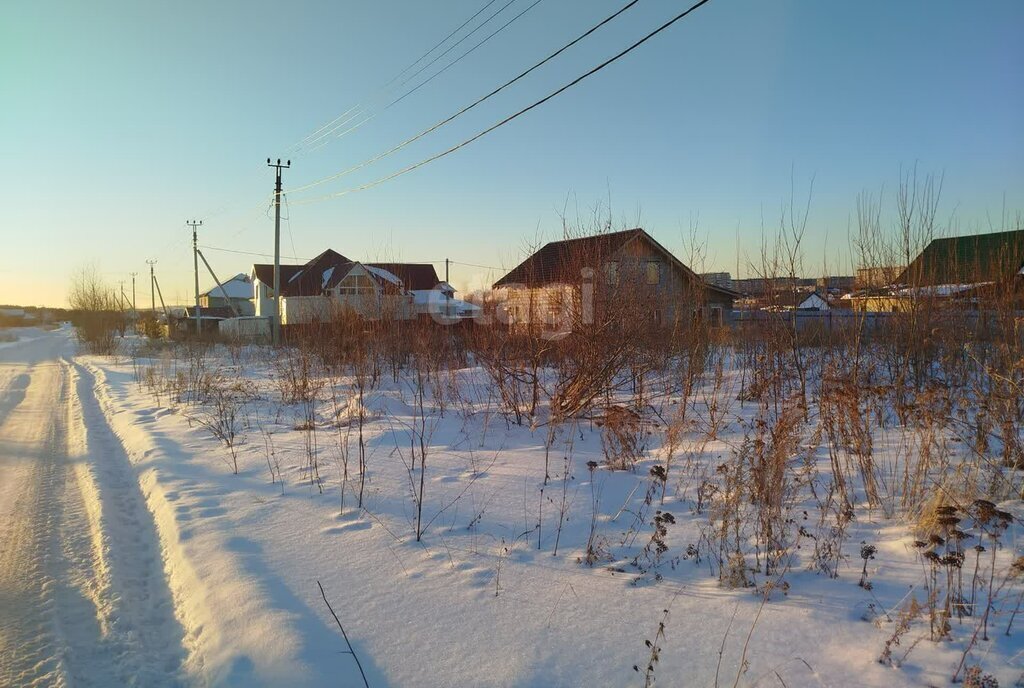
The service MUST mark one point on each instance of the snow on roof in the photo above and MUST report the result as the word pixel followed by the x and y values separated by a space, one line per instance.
pixel 422 297
pixel 238 287
pixel 467 306
pixel 327 276
pixel 383 274
pixel 940 289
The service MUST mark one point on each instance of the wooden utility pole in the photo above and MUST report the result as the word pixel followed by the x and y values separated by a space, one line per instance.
pixel 195 261
pixel 135 311
pixel 275 325
pixel 447 310
pixel 167 313
pixel 152 291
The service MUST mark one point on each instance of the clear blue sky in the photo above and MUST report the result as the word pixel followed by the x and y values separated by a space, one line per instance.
pixel 120 120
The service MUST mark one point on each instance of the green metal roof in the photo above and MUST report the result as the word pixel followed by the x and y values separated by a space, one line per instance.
pixel 972 259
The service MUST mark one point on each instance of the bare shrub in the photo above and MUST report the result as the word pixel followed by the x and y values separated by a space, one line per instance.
pixel 221 415
pixel 97 318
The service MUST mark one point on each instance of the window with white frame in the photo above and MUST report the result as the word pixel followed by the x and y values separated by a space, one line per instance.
pixel 356 285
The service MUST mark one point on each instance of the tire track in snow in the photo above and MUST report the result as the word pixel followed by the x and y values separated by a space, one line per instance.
pixel 30 651
pixel 13 394
pixel 83 598
pixel 134 603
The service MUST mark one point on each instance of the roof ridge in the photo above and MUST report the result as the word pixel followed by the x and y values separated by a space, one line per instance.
pixel 964 237
pixel 599 235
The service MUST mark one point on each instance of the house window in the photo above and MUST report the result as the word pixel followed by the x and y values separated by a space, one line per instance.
pixel 356 284
pixel 611 271
pixel 716 316
pixel 653 272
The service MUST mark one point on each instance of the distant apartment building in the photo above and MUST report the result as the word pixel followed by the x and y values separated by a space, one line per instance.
pixel 760 286
pixel 718 279
pixel 841 284
pixel 875 277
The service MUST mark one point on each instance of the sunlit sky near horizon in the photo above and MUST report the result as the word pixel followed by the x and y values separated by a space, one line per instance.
pixel 121 120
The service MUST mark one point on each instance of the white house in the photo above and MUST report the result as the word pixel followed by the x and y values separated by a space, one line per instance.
pixel 237 292
pixel 441 302
pixel 813 302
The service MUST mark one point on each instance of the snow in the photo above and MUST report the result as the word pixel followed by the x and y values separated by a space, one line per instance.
pixel 384 274
pixel 19 336
pixel 439 302
pixel 83 598
pixel 813 302
pixel 326 277
pixel 238 287
pixel 940 289
pixel 210 578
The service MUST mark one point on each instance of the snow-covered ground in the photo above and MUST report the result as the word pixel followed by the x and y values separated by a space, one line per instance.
pixel 9 336
pixel 131 553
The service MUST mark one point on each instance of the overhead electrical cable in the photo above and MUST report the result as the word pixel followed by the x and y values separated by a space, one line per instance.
pixel 324 137
pixel 463 144
pixel 395 78
pixel 426 81
pixel 250 253
pixel 469 107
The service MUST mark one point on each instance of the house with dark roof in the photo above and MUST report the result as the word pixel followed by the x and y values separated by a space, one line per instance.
pixel 331 282
pixel 978 259
pixel 575 279
pixel 964 271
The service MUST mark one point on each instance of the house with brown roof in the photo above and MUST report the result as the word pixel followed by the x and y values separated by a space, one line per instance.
pixel 330 282
pixel 569 281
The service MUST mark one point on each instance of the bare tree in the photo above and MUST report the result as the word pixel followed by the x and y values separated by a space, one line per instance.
pixel 97 319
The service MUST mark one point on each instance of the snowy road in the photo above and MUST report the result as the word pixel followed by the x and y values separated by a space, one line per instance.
pixel 83 595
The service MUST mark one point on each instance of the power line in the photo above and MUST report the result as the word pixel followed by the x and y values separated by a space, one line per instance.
pixel 472 105
pixel 270 255
pixel 288 219
pixel 434 75
pixel 248 253
pixel 474 265
pixel 323 140
pixel 334 125
pixel 458 42
pixel 415 166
